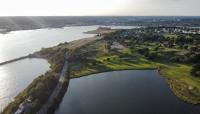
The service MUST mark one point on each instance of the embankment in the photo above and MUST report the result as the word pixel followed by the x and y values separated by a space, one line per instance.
pixel 19 58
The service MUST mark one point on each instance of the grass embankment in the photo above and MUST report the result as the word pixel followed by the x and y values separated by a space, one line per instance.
pixel 114 63
pixel 183 85
pixel 98 57
pixel 42 87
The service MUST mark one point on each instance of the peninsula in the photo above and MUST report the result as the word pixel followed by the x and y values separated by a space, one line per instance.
pixel 173 53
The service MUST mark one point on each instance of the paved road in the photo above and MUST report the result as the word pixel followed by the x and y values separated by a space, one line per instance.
pixel 57 90
pixel 73 45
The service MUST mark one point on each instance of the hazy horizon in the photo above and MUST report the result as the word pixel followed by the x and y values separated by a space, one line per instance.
pixel 100 16
pixel 100 8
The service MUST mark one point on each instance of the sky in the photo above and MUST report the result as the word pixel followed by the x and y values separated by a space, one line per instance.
pixel 99 7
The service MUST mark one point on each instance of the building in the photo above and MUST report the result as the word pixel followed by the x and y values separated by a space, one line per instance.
pixel 116 45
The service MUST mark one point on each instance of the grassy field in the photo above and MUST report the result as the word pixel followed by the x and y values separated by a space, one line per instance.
pixel 98 58
pixel 181 82
pixel 114 63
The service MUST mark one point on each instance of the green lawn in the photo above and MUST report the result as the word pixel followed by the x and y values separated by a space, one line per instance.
pixel 114 63
pixel 170 35
pixel 183 85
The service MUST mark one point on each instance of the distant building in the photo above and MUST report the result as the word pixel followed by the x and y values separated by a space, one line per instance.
pixel 116 45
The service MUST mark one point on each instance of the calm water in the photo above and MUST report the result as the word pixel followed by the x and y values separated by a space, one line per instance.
pixel 15 77
pixel 122 92
pixel 20 43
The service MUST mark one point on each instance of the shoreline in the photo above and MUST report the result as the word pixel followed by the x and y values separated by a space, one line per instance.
pixel 113 71
pixel 70 45
pixel 168 81
pixel 30 56
pixel 73 45
pixel 185 87
pixel 14 60
pixel 6 31
pixel 36 55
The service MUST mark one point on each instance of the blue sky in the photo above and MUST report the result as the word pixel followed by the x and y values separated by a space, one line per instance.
pixel 99 7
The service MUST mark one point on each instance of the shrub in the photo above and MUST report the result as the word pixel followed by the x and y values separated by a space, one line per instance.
pixel 195 58
pixel 196 70
pixel 152 56
pixel 143 51
pixel 174 59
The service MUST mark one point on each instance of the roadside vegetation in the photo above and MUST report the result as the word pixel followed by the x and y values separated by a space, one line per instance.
pixel 41 88
pixel 176 56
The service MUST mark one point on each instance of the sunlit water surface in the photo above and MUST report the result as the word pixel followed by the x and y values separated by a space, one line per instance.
pixel 20 43
pixel 16 76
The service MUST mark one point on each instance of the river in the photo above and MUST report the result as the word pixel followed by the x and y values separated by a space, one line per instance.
pixel 20 43
pixel 16 76
pixel 122 92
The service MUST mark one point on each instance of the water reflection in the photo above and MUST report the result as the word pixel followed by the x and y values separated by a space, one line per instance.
pixel 15 77
pixel 20 43
pixel 123 92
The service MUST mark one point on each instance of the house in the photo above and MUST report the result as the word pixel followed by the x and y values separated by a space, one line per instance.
pixel 116 45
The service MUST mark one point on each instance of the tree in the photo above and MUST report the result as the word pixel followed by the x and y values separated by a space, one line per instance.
pixel 156 48
pixel 143 51
pixel 185 46
pixel 152 56
pixel 193 48
pixel 36 105
pixel 196 70
pixel 174 59
pixel 94 63
pixel 194 58
pixel 108 59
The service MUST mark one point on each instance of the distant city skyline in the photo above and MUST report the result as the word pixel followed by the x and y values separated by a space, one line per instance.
pixel 99 8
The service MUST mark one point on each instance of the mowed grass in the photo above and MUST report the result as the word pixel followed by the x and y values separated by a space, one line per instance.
pixel 178 72
pixel 114 63
pixel 182 73
pixel 108 62
pixel 127 63
pixel 170 35
pixel 183 85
